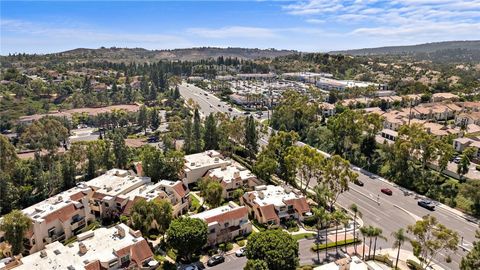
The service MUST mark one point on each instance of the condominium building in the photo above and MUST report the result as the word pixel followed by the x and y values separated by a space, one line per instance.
pixel 174 191
pixel 107 188
pixel 197 165
pixel 232 177
pixel 275 204
pixel 57 218
pixel 117 247
pixel 225 223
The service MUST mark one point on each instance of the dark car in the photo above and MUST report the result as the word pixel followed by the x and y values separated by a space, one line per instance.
pixel 230 109
pixel 246 113
pixel 215 259
pixel 386 191
pixel 358 183
pixel 426 204
pixel 152 139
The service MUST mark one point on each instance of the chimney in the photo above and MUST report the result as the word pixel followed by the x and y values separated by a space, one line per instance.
pixel 120 231
pixel 236 175
pixel 82 249
pixel 224 167
pixel 43 254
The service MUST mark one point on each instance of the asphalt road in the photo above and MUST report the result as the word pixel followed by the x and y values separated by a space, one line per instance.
pixel 209 103
pixel 387 212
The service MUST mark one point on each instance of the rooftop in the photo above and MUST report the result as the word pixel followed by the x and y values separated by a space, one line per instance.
pixel 115 182
pixel 274 195
pixel 101 244
pixel 206 158
pixel 230 172
pixel 222 213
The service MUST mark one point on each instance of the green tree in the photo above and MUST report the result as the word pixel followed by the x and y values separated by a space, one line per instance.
pixel 356 213
pixel 68 171
pixel 210 136
pixel 197 132
pixel 256 265
pixel 211 190
pixel 277 149
pixel 339 217
pixel 152 214
pixel 307 162
pixel 159 165
pixel 277 248
pixel 92 163
pixel 376 233
pixel 120 150
pixel 431 239
pixel 187 236
pixel 154 119
pixel 472 260
pixel 399 238
pixel 188 136
pixel 15 225
pixel 8 156
pixel 471 190
pixel 336 175
pixel 265 166
pixel 142 118
pixel 464 164
pixel 251 136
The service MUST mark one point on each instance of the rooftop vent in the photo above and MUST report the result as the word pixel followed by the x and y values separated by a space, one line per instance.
pixel 43 254
pixel 82 249
pixel 57 252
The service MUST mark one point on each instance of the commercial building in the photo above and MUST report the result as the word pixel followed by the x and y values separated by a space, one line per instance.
pixel 232 177
pixel 225 223
pixel 197 165
pixel 117 247
pixel 275 204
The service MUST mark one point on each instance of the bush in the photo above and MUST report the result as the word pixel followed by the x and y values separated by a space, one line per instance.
pixel 477 167
pixel 229 246
pixel 124 219
pixel 310 221
pixel 413 265
pixel 222 247
pixel 241 243
pixel 166 265
pixel 172 254
pixel 384 259
pixel 239 238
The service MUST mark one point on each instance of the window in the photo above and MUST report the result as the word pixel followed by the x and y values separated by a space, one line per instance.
pixel 125 259
pixel 51 232
pixel 112 263
pixel 106 205
pixel 226 224
pixel 212 231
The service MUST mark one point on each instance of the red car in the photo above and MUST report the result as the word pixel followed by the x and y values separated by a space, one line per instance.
pixel 386 191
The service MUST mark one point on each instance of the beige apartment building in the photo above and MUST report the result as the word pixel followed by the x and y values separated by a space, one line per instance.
pixel 117 247
pixel 225 223
pixel 197 165
pixel 275 204
pixel 232 177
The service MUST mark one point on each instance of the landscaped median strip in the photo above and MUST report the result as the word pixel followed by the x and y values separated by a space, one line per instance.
pixel 316 247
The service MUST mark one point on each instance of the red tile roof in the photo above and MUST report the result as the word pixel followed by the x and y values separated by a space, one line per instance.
pixel 140 252
pixel 95 265
pixel 128 207
pixel 180 188
pixel 300 205
pixel 77 196
pixel 268 212
pixel 236 213
pixel 63 214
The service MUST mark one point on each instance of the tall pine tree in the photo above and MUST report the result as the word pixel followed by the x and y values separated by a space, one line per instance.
pixel 210 136
pixel 251 136
pixel 187 135
pixel 197 132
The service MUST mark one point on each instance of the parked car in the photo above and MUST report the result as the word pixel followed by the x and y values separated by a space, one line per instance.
pixel 240 252
pixel 386 191
pixel 373 176
pixel 457 160
pixel 230 109
pixel 152 139
pixel 215 259
pixel 246 113
pixel 358 183
pixel 426 204
pixel 189 267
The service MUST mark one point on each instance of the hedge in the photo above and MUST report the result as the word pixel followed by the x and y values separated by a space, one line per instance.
pixel 414 265
pixel 316 247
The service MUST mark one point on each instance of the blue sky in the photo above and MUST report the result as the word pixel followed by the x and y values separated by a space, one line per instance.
pixel 308 25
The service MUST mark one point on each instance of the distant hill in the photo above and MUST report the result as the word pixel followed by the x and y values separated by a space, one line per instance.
pixel 191 54
pixel 436 51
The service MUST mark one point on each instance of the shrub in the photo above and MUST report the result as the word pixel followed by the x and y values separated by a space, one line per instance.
pixel 239 238
pixel 124 219
pixel 221 246
pixel 229 246
pixel 384 259
pixel 413 265
pixel 316 247
pixel 172 254
pixel 241 243
pixel 168 266
pixel 310 221
pixel 477 167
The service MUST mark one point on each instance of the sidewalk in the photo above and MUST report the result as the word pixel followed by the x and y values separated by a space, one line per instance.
pixel 404 256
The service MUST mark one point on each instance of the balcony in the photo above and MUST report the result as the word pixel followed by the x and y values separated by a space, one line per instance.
pixel 55 237
pixel 77 223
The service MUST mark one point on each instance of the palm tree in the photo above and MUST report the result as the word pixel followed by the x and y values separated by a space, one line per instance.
pixel 400 238
pixel 377 232
pixel 338 217
pixel 370 231
pixel 327 219
pixel 320 215
pixel 356 213
pixel 365 232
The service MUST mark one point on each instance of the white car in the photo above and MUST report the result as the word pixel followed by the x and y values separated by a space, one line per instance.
pixel 240 252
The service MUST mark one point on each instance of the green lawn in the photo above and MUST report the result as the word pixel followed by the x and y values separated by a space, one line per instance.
pixel 195 203
pixel 302 235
